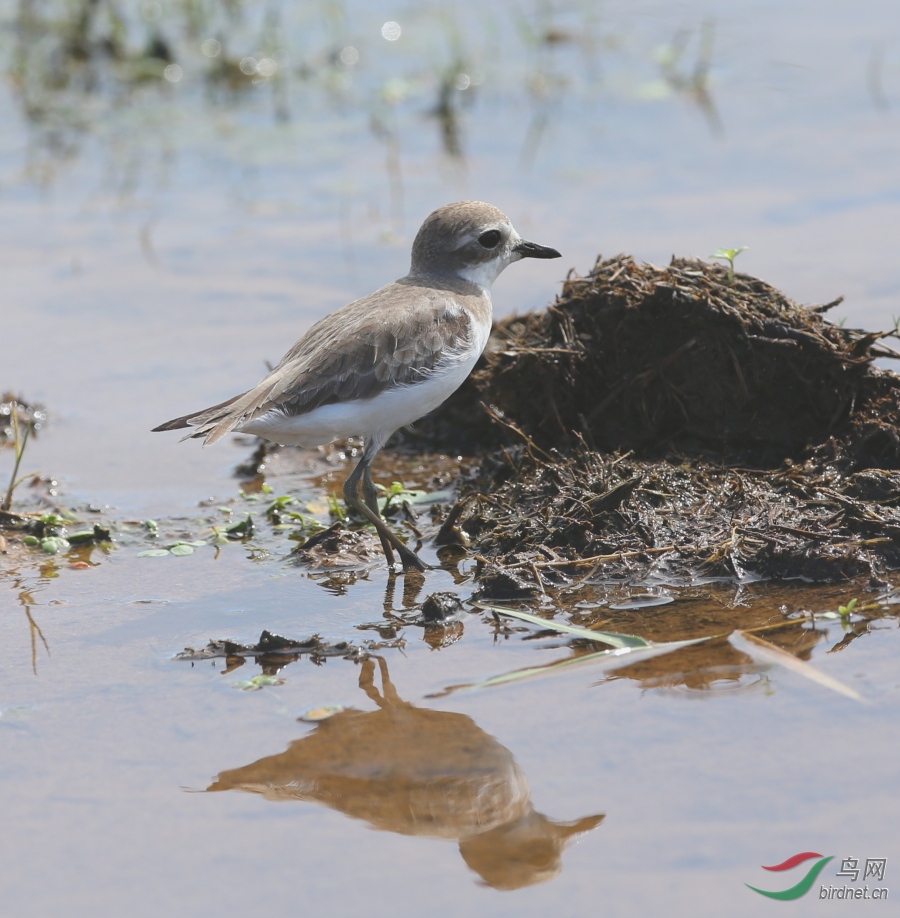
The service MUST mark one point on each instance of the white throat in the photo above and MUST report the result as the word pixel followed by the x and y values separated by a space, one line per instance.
pixel 485 274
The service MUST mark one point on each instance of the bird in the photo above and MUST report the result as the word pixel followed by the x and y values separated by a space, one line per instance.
pixel 385 360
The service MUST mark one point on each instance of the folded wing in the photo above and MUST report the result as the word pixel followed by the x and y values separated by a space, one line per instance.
pixel 396 336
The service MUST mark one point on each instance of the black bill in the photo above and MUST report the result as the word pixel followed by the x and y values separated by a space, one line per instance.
pixel 533 250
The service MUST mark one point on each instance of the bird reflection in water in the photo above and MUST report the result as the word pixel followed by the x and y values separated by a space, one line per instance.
pixel 420 772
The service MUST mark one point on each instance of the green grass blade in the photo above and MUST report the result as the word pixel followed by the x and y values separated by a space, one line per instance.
pixel 603 658
pixel 606 637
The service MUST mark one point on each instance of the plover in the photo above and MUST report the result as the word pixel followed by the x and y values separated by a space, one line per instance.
pixel 381 362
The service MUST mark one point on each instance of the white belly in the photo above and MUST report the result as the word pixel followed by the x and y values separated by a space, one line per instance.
pixel 372 418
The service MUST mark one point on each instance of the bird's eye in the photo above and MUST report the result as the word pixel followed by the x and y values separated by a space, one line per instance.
pixel 489 239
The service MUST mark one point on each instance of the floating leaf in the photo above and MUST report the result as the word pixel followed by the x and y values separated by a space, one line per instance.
pixel 624 645
pixel 182 549
pixel 153 553
pixel 606 637
pixel 85 536
pixel 258 682
pixel 53 545
pixel 313 715
pixel 240 530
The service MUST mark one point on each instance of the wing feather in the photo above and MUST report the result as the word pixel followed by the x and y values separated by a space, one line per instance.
pixel 346 356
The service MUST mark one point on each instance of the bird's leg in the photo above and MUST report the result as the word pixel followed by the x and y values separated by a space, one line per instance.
pixel 408 558
pixel 370 495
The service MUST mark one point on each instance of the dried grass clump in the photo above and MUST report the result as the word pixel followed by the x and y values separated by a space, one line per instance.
pixel 671 418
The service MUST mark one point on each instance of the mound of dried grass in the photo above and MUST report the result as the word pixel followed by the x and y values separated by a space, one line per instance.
pixel 676 359
pixel 672 417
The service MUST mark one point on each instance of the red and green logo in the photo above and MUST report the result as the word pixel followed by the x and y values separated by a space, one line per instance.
pixel 801 888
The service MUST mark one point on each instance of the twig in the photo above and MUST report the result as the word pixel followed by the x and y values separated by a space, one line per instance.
pixel 532 446
pixel 596 559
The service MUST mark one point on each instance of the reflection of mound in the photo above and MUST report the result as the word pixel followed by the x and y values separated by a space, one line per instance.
pixel 700 671
pixel 717 681
pixel 419 772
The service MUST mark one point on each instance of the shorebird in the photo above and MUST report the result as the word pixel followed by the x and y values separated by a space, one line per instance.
pixel 383 361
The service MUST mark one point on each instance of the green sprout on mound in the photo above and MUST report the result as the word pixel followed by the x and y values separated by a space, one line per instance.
pixel 729 255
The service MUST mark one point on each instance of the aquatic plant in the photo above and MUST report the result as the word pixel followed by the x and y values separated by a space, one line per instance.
pixel 19 442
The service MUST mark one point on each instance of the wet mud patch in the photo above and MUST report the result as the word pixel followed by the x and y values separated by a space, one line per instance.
pixel 677 420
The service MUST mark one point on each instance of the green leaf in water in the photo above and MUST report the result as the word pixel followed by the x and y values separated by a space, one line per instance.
pixel 85 536
pixel 257 682
pixel 605 637
pixel 846 611
pixel 240 530
pixel 53 545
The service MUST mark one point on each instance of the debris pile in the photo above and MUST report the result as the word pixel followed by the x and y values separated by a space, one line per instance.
pixel 676 419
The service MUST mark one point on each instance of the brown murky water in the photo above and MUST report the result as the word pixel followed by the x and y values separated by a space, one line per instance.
pixel 156 251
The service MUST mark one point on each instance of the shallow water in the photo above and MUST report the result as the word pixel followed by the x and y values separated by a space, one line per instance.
pixel 158 247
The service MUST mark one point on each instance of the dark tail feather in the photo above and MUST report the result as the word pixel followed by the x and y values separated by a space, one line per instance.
pixel 185 420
